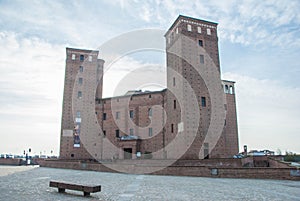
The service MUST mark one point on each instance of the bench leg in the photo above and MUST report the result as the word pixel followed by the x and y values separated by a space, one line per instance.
pixel 61 190
pixel 86 193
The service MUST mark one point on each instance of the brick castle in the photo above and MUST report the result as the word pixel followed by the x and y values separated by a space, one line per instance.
pixel 193 118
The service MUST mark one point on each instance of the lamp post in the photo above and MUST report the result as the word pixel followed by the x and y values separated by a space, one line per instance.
pixel 27 156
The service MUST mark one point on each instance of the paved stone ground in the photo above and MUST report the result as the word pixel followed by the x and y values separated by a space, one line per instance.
pixel 7 170
pixel 34 185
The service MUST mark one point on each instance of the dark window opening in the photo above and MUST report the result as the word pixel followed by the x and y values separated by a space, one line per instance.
pixel 131 131
pixel 104 116
pixel 79 95
pixel 118 133
pixel 201 43
pixel 72 155
pixel 226 89
pixel 172 128
pixel 150 132
pixel 203 101
pixel 206 151
pixel 174 104
pixel 131 114
pixel 127 153
pixel 104 133
pixel 80 80
pixel 201 59
pixel 81 57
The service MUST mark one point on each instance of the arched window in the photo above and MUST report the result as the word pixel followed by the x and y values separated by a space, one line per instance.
pixel 150 112
pixel 231 90
pixel 226 89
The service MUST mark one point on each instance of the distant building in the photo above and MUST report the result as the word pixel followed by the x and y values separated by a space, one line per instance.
pixel 167 124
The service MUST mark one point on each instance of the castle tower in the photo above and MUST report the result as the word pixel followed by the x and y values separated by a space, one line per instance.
pixel 83 84
pixel 196 102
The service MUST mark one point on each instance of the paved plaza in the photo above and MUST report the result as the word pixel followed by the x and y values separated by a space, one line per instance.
pixel 33 184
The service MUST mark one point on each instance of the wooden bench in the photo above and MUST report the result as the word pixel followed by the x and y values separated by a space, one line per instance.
pixel 62 186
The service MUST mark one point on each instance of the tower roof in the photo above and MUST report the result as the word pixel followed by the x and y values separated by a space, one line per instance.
pixel 193 20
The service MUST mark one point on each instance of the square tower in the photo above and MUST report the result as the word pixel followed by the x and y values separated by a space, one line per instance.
pixel 196 100
pixel 83 84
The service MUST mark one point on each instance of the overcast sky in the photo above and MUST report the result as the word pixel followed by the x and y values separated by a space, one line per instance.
pixel 259 49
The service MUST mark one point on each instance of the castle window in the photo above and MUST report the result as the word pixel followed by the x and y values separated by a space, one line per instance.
pixel 104 116
pixel 231 90
pixel 189 27
pixel 174 82
pixel 199 29
pixel 174 104
pixel 200 43
pixel 201 59
pixel 150 132
pixel 208 31
pixel 73 56
pixel 80 80
pixel 90 58
pixel 104 133
pixel 226 89
pixel 131 131
pixel 79 95
pixel 150 112
pixel 206 151
pixel 131 114
pixel 203 101
pixel 172 128
pixel 81 57
pixel 118 133
pixel 117 115
pixel 81 69
pixel 150 96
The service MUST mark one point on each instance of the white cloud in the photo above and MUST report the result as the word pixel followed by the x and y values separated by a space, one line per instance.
pixel 129 74
pixel 268 113
pixel 244 22
pixel 31 85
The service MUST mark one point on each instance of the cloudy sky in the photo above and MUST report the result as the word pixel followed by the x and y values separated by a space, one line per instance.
pixel 259 49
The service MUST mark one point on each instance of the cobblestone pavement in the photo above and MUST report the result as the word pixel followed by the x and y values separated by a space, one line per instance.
pixel 34 185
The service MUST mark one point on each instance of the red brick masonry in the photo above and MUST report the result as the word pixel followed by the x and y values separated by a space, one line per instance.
pixel 218 168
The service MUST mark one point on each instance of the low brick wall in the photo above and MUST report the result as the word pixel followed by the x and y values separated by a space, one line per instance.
pixel 257 173
pixel 75 165
pixel 198 169
pixel 10 161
